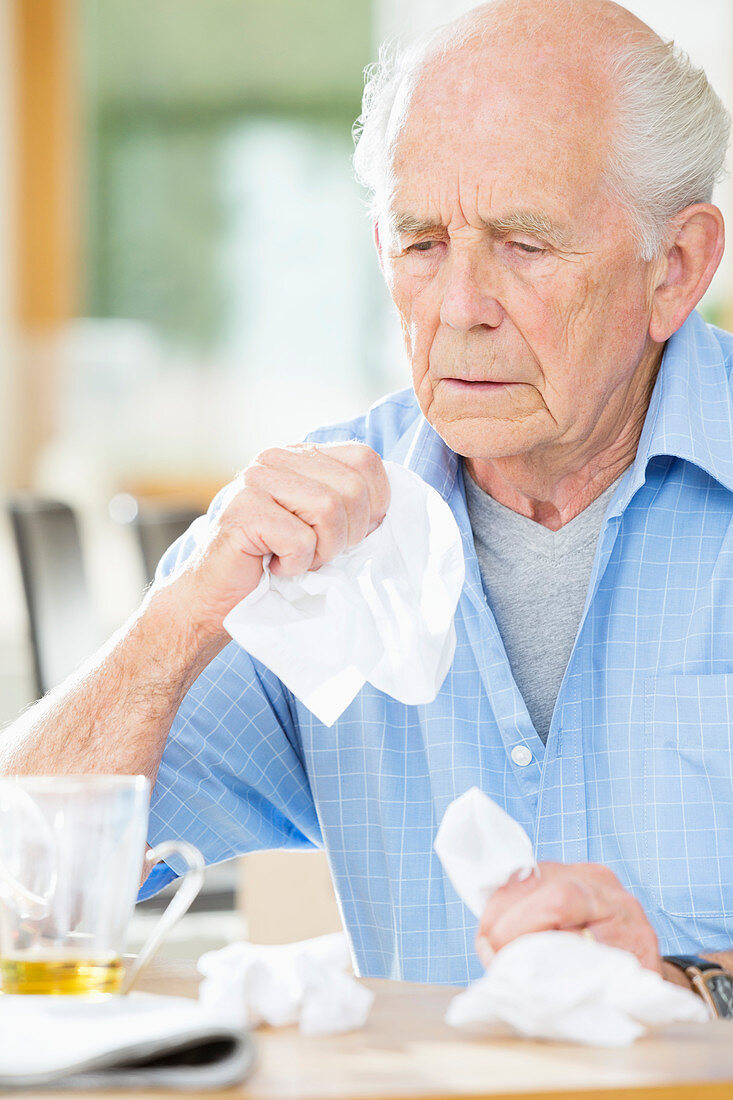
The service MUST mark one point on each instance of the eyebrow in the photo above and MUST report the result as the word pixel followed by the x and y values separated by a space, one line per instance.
pixel 533 222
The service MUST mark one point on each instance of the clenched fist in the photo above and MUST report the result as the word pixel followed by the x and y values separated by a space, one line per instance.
pixel 570 897
pixel 302 504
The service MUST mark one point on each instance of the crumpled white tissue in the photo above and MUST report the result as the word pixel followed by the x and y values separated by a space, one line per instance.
pixel 303 983
pixel 548 985
pixel 557 985
pixel 480 847
pixel 381 612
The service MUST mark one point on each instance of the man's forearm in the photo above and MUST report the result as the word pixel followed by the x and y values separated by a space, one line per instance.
pixel 114 715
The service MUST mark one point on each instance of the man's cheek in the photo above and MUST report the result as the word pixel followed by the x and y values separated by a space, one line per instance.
pixel 419 321
pixel 419 343
pixel 414 299
pixel 419 353
pixel 418 306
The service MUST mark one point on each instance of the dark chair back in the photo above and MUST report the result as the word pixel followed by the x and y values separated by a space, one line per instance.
pixel 63 625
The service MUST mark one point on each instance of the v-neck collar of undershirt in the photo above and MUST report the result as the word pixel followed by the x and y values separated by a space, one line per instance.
pixel 493 522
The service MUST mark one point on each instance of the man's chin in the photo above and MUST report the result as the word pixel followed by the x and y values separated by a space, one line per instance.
pixel 490 437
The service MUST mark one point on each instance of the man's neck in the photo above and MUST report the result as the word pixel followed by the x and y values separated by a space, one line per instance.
pixel 552 487
pixel 555 505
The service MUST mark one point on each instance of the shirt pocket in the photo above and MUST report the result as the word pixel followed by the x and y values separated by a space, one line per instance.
pixel 686 839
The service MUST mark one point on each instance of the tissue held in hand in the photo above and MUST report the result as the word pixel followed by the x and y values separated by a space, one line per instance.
pixel 481 847
pixel 548 985
pixel 381 612
pixel 557 985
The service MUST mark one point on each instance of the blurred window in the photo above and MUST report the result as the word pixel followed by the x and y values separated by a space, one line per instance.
pixel 222 212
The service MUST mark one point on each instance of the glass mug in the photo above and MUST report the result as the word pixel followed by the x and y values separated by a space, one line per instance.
pixel 72 850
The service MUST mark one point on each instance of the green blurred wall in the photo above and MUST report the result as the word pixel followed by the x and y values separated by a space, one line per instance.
pixel 163 83
pixel 198 54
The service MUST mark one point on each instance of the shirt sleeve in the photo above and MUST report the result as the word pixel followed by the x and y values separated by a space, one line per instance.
pixel 231 779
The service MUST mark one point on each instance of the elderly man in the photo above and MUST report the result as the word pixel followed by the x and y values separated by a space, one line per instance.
pixel 542 175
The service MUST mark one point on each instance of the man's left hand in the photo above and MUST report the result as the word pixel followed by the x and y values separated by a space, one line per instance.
pixel 570 897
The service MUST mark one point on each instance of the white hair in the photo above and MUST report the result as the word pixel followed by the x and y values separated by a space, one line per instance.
pixel 671 137
pixel 668 145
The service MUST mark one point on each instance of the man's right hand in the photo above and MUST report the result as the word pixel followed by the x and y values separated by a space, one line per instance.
pixel 302 504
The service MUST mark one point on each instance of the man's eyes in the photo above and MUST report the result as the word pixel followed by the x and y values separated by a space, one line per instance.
pixel 521 246
pixel 422 246
pixel 530 249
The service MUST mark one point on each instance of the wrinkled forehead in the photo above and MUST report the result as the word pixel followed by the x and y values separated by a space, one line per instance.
pixel 529 119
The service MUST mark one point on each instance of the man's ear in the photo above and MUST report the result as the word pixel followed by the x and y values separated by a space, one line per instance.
pixel 687 268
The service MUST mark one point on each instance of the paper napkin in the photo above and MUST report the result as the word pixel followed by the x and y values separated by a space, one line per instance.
pixel 480 847
pixel 305 983
pixel 548 985
pixel 381 612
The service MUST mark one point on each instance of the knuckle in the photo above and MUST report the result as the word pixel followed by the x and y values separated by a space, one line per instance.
pixel 556 901
pixel 304 541
pixel 303 454
pixel 254 476
pixel 267 457
pixel 366 460
pixel 330 507
pixel 603 874
pixel 355 491
pixel 354 483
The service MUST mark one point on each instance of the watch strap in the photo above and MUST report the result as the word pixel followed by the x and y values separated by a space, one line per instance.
pixel 684 962
pixel 712 982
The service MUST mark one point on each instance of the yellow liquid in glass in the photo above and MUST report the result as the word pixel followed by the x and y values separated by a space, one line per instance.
pixel 74 976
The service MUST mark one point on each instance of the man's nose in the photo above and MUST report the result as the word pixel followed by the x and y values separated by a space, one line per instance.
pixel 469 296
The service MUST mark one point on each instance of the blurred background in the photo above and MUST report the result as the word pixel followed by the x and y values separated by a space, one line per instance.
pixel 187 273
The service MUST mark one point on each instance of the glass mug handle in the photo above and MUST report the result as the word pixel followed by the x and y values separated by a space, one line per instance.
pixel 188 887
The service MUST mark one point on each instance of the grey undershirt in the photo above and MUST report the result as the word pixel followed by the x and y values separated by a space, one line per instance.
pixel 535 582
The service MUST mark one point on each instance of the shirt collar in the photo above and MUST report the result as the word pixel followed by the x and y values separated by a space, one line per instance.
pixel 423 451
pixel 690 414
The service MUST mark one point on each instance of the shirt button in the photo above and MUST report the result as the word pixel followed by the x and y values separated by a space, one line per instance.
pixel 521 756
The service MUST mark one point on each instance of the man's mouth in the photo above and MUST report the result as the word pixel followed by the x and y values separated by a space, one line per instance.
pixel 478 386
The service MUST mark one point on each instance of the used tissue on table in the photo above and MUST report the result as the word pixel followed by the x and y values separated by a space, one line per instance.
pixel 304 983
pixel 550 985
pixel 381 612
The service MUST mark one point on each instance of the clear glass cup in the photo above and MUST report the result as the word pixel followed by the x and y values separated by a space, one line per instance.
pixel 72 850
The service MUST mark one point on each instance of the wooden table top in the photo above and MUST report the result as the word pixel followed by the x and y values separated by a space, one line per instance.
pixel 407 1051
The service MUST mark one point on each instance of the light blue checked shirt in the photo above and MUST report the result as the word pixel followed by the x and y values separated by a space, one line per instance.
pixel 637 772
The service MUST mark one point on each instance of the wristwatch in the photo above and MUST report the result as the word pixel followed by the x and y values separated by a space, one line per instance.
pixel 709 979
